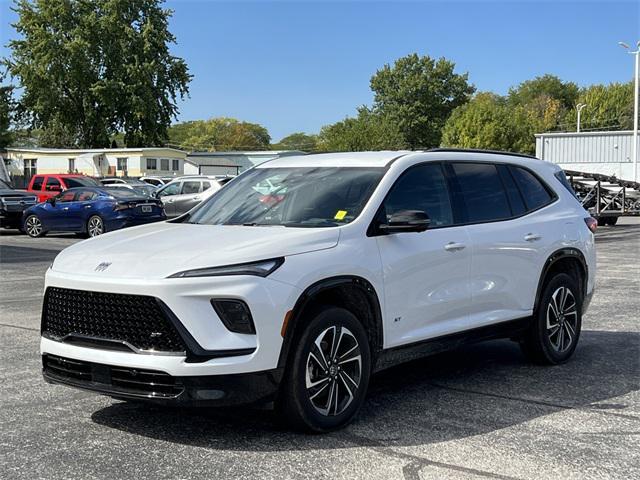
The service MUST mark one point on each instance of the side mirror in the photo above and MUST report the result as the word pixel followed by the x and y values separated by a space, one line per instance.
pixel 52 201
pixel 406 221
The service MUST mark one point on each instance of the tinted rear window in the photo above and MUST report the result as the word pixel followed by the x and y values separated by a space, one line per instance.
pixel 482 192
pixel 515 198
pixel 533 191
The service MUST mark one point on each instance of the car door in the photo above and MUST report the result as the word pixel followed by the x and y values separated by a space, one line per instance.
pixel 83 207
pixel 189 196
pixel 426 274
pixel 167 195
pixel 507 245
pixel 59 213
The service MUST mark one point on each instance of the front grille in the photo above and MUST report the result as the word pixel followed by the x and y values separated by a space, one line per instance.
pixel 111 379
pixel 135 319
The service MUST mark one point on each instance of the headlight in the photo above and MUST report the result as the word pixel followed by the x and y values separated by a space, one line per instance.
pixel 260 269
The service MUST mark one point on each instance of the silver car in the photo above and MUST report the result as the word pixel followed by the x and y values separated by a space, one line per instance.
pixel 182 194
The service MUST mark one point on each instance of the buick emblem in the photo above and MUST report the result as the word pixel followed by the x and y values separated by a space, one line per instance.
pixel 102 266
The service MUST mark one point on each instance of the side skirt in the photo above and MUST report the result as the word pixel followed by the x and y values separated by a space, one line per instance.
pixel 393 356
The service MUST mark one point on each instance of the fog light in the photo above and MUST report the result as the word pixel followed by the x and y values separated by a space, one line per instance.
pixel 235 315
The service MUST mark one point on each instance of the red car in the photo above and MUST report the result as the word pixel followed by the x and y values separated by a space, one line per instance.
pixel 49 185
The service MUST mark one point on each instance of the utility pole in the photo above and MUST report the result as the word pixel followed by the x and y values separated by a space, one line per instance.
pixel 579 107
pixel 635 106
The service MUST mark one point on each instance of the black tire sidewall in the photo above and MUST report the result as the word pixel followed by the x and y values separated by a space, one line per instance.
pixel 550 355
pixel 298 403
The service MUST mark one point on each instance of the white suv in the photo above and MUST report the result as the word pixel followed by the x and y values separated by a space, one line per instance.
pixel 297 294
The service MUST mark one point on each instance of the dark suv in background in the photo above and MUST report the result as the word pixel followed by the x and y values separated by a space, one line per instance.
pixel 12 203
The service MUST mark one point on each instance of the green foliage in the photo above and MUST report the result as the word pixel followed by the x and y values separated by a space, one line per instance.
pixel 510 123
pixel 297 141
pixel 485 122
pixel 418 94
pixel 6 109
pixel 219 134
pixel 609 107
pixel 367 131
pixel 93 68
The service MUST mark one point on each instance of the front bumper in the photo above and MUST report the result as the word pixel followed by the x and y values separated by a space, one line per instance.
pixel 213 349
pixel 159 387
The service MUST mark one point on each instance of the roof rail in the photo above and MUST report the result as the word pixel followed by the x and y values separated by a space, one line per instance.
pixel 480 150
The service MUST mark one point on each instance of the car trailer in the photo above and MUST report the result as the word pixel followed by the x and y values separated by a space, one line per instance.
pixel 606 197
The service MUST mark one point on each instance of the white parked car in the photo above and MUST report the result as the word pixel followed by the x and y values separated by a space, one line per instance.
pixel 300 292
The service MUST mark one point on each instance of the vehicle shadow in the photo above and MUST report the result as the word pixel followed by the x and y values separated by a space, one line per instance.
pixel 471 391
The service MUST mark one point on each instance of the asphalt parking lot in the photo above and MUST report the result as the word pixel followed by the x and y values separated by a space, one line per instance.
pixel 479 412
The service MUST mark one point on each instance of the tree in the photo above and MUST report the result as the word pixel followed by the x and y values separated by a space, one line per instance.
pixel 485 122
pixel 547 86
pixel 297 141
pixel 220 134
pixel 6 107
pixel 92 68
pixel 609 107
pixel 367 131
pixel 418 94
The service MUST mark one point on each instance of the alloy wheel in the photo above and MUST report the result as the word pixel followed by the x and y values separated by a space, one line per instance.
pixel 95 227
pixel 562 319
pixel 333 371
pixel 33 226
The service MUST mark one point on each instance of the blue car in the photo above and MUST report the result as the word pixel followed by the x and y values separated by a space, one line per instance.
pixel 91 211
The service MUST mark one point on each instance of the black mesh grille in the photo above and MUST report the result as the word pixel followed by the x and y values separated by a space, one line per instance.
pixel 135 319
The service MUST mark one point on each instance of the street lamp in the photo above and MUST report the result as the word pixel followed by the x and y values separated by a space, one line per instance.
pixel 635 106
pixel 579 107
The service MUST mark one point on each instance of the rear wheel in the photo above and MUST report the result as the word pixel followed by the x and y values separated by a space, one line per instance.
pixel 328 374
pixel 33 226
pixel 611 221
pixel 95 226
pixel 555 330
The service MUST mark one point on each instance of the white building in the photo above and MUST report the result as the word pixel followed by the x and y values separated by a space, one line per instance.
pixel 608 153
pixel 132 162
pixel 233 162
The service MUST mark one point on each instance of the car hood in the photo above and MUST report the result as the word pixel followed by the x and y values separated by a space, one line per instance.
pixel 161 249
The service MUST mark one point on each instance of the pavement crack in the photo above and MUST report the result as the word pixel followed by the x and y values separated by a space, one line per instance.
pixel 591 408
pixel 19 327
pixel 411 471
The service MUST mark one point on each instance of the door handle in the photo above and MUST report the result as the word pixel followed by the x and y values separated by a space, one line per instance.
pixel 87 206
pixel 532 237
pixel 453 246
pixel 65 208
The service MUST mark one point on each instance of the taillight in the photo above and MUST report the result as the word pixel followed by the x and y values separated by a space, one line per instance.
pixel 122 206
pixel 592 224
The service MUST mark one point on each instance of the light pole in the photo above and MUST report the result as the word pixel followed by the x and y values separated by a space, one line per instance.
pixel 635 107
pixel 579 107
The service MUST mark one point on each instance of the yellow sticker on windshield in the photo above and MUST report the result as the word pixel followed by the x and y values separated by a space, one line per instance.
pixel 340 214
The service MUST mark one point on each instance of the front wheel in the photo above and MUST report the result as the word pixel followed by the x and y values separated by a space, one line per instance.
pixel 33 226
pixel 555 330
pixel 95 226
pixel 327 378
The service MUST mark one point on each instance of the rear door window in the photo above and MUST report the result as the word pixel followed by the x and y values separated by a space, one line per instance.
pixel 86 195
pixel 482 192
pixel 66 197
pixel 513 193
pixel 191 186
pixel 535 194
pixel 53 185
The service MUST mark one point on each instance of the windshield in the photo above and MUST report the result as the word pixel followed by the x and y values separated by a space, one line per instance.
pixel 292 197
pixel 81 182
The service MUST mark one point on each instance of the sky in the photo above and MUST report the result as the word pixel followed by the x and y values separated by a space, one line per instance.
pixel 298 65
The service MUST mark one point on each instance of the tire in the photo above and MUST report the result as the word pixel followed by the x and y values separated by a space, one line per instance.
pixel 552 340
pixel 320 393
pixel 611 221
pixel 95 226
pixel 33 227
pixel 602 221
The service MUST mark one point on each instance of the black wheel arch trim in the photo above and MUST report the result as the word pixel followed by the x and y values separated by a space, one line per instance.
pixel 561 254
pixel 326 284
